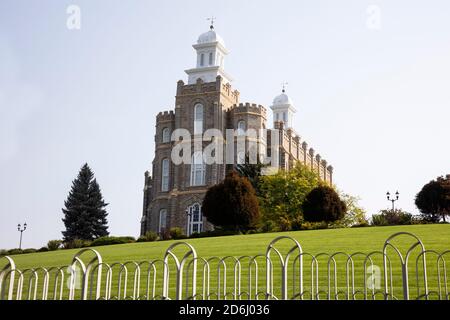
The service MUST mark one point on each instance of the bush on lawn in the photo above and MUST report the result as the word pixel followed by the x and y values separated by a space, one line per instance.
pixel 105 241
pixel 149 236
pixel 177 233
pixel 76 244
pixel 53 245
pixel 14 251
pixel 392 218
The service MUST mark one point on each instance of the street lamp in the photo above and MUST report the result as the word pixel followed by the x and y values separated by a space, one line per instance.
pixel 21 230
pixel 388 195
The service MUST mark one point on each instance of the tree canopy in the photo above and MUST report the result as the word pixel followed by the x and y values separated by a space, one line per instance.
pixel 433 200
pixel 323 204
pixel 232 204
pixel 281 197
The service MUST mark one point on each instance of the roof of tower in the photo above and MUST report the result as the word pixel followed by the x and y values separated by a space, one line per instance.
pixel 282 99
pixel 210 37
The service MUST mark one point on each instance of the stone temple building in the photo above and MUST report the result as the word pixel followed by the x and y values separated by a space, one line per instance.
pixel 173 193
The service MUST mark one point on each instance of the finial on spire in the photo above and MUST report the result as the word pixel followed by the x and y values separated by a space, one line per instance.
pixel 284 84
pixel 212 22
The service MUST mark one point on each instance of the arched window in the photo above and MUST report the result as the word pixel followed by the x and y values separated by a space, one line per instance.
pixel 165 175
pixel 210 58
pixel 162 220
pixel 198 169
pixel 198 119
pixel 195 219
pixel 202 59
pixel 165 135
pixel 241 128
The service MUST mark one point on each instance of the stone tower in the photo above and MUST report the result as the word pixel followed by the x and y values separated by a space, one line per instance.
pixel 174 192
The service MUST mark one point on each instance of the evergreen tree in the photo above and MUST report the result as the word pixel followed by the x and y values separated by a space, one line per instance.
pixel 84 212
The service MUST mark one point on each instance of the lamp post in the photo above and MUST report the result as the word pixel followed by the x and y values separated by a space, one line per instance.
pixel 21 230
pixel 388 195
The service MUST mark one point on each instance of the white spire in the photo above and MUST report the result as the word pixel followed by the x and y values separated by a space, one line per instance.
pixel 211 53
pixel 283 108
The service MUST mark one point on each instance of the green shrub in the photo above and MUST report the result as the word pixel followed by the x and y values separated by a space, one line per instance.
pixel 29 250
pixel 74 244
pixel 105 241
pixel 53 245
pixel 149 236
pixel 392 218
pixel 3 252
pixel 177 233
pixel 11 252
pixel 165 235
pixel 314 225
pixel 43 249
pixel 379 220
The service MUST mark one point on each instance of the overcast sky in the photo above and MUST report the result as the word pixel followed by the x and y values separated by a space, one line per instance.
pixel 372 95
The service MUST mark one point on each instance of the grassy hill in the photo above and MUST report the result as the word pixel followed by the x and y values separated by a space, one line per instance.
pixel 365 240
pixel 436 237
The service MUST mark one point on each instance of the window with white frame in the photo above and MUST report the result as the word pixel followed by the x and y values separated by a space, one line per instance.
pixel 165 175
pixel 198 119
pixel 162 220
pixel 241 128
pixel 195 219
pixel 198 169
pixel 165 135
pixel 210 58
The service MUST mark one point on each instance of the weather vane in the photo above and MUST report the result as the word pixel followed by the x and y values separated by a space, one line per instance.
pixel 212 22
pixel 284 84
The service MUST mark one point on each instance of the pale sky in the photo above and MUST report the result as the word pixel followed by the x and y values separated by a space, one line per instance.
pixel 374 102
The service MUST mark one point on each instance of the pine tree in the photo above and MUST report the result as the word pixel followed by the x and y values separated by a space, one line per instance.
pixel 84 212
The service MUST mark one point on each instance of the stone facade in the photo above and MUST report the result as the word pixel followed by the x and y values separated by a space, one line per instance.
pixel 222 111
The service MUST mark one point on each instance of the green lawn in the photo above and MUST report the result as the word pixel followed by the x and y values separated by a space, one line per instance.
pixel 366 240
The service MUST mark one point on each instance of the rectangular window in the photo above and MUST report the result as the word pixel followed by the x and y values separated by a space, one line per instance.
pixel 210 58
pixel 198 119
pixel 162 220
pixel 165 175
pixel 202 60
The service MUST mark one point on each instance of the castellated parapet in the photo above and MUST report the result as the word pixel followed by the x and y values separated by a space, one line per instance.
pixel 165 116
pixel 208 87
